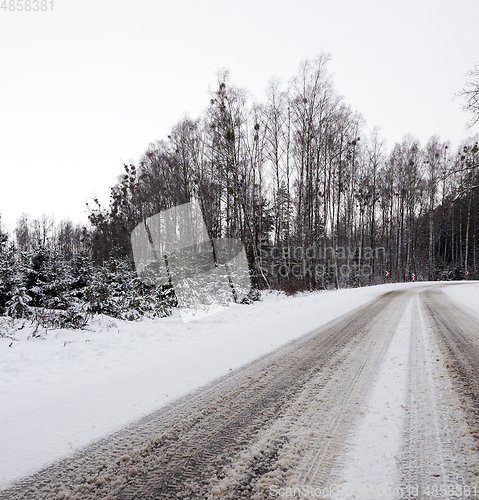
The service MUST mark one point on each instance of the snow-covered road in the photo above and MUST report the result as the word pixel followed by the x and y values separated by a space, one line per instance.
pixel 378 403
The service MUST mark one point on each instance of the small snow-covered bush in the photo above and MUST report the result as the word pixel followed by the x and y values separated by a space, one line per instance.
pixel 18 306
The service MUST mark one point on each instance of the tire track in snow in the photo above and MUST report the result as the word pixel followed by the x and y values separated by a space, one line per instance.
pixel 284 420
pixel 312 431
pixel 370 461
pixel 453 349
pixel 424 445
pixel 436 433
pixel 189 447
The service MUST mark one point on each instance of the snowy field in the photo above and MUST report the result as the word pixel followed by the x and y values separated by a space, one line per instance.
pixel 69 388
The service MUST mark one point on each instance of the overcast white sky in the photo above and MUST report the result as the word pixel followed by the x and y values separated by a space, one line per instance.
pixel 89 85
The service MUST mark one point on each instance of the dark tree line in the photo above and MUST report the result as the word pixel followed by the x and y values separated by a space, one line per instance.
pixel 316 198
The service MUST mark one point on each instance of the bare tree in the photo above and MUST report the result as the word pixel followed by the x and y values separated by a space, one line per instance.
pixel 434 156
pixel 470 93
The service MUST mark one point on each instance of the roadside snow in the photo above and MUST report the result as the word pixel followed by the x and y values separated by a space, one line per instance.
pixel 465 294
pixel 70 388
